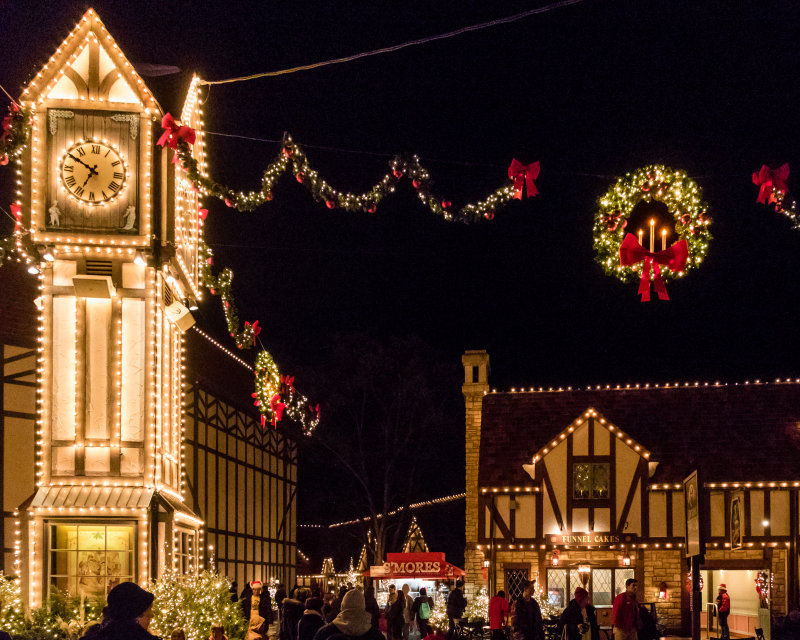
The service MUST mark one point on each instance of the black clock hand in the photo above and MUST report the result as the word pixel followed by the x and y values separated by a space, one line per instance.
pixel 92 170
pixel 89 176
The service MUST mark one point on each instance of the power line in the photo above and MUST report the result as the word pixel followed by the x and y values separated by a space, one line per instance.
pixel 398 47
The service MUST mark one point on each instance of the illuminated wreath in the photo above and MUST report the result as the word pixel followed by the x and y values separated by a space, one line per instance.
pixel 655 183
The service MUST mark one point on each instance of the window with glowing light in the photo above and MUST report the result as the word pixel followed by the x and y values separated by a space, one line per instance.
pixel 603 584
pixel 186 551
pixel 590 481
pixel 89 560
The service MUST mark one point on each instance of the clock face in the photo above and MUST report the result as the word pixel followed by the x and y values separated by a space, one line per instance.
pixel 93 172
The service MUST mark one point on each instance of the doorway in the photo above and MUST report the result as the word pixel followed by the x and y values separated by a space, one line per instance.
pixel 749 609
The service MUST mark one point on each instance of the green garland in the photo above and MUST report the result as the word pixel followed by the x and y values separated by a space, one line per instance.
pixel 292 158
pixel 274 393
pixel 682 197
pixel 16 132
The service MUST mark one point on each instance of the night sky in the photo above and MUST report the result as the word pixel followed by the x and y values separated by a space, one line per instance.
pixel 591 90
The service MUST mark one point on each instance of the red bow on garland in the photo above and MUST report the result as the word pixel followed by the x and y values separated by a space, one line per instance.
pixel 277 407
pixel 254 326
pixel 173 133
pixel 631 253
pixel 287 381
pixel 524 175
pixel 769 180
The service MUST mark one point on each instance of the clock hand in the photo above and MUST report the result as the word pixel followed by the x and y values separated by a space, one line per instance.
pixel 89 176
pixel 91 169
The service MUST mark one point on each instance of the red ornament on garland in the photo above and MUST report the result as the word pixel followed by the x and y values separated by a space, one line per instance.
pixel 398 173
pixel 330 204
pixel 446 204
pixel 417 184
pixel 299 177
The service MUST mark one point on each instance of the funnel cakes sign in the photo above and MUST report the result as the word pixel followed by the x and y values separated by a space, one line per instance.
pixel 590 539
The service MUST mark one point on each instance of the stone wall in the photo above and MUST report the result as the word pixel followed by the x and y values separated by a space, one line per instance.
pixel 664 565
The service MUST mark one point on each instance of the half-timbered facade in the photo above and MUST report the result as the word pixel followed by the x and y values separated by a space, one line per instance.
pixel 585 488
pixel 241 476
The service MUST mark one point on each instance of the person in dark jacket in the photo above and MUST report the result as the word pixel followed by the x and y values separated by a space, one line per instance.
pixel 127 616
pixel 371 606
pixel 456 603
pixel 527 616
pixel 311 621
pixel 352 623
pixel 579 618
pixel 417 610
pixel 264 605
pixel 395 617
pixel 292 610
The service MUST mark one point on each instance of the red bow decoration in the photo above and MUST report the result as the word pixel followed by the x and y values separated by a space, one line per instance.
pixel 288 381
pixel 524 175
pixel 276 406
pixel 631 253
pixel 202 213
pixel 769 180
pixel 255 327
pixel 256 402
pixel 173 133
pixel 314 410
pixel 7 121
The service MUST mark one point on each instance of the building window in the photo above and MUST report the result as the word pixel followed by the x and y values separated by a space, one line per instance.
pixel 90 560
pixel 186 551
pixel 515 578
pixel 590 481
pixel 604 584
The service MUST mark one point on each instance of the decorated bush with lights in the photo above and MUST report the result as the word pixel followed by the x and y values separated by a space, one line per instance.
pixel 195 603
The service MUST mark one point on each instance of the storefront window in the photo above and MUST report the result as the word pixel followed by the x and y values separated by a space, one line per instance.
pixel 89 560
pixel 590 481
pixel 603 585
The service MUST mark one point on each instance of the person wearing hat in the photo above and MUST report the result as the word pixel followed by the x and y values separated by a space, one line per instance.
pixel 354 622
pixel 127 615
pixel 579 618
pixel 723 609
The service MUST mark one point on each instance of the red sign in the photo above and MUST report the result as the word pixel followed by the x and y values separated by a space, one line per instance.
pixel 420 565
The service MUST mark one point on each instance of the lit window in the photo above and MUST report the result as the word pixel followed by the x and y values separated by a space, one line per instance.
pixel 590 481
pixel 90 560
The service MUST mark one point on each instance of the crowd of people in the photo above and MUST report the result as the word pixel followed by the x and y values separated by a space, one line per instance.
pixel 354 614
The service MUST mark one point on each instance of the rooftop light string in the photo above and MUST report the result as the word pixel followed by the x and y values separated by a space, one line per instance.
pixel 398 47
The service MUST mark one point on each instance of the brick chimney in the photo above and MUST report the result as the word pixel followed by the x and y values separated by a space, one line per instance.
pixel 476 385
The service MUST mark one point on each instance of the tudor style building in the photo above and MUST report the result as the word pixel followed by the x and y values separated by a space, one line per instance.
pixel 106 475
pixel 585 487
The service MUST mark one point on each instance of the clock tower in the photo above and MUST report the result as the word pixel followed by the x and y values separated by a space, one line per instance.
pixel 119 227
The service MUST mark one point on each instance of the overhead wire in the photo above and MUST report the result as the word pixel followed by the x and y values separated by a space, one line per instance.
pixel 397 47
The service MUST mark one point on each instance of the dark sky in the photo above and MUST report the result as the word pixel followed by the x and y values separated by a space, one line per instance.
pixel 592 91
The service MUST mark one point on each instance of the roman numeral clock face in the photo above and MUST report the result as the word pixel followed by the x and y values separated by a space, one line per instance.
pixel 93 172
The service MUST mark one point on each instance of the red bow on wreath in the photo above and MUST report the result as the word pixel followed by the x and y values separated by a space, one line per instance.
pixel 173 133
pixel 524 175
pixel 771 180
pixel 287 381
pixel 256 329
pixel 631 253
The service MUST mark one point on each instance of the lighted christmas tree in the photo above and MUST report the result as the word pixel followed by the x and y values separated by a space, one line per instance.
pixel 195 603
pixel 478 608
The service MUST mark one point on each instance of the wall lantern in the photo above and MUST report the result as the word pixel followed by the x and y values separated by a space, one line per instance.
pixel 662 591
pixel 554 560
pixel 626 560
pixel 584 571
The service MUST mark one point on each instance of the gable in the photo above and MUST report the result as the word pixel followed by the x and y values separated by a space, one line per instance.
pixel 90 66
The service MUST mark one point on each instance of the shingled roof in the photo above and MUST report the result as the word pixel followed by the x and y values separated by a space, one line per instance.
pixel 736 433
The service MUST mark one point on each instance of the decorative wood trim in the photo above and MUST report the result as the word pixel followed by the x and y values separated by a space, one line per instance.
pixel 732 563
pixel 539 498
pixel 645 499
pixel 552 495
pixel 612 479
pixel 670 532
pixel 512 516
pixel 748 514
pixel 637 478
pixel 570 479
pixel 498 520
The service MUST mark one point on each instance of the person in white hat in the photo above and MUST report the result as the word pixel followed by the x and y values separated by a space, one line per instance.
pixel 723 609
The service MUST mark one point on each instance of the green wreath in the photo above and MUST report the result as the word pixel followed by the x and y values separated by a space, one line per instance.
pixel 677 191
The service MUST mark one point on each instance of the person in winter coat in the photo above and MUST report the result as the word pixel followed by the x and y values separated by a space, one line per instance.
pixel 423 614
pixel 352 623
pixel 456 603
pixel 291 611
pixel 264 604
pixel 498 615
pixel 579 618
pixel 395 618
pixel 311 621
pixel 625 612
pixel 127 616
pixel 723 610
pixel 336 605
pixel 371 606
pixel 408 617
pixel 527 616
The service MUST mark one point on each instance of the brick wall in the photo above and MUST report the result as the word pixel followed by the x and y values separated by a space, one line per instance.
pixel 664 565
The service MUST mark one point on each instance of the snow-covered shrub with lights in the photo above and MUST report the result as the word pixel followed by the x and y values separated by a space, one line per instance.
pixel 195 603
pixel 549 610
pixel 438 619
